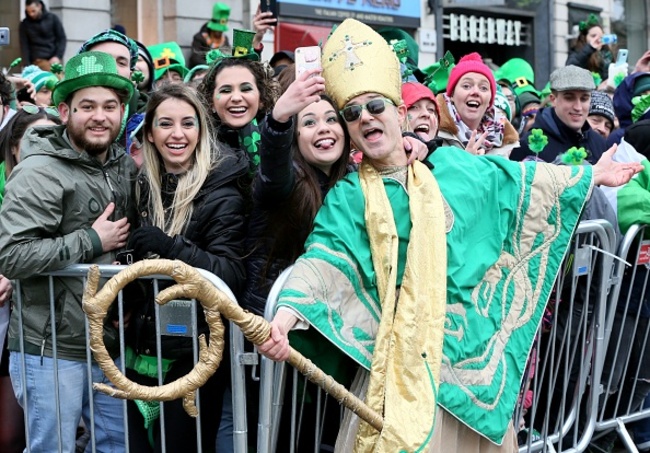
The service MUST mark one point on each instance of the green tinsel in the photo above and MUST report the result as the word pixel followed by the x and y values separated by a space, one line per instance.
pixel 641 105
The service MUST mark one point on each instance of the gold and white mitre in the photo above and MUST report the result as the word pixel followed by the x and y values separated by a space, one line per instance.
pixel 357 60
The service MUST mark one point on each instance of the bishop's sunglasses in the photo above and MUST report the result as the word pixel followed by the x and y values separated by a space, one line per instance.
pixel 351 113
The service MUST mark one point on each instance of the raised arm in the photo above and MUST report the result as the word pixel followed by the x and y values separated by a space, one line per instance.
pixel 275 178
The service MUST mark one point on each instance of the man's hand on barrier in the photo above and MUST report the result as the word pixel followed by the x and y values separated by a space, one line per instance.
pixel 6 290
pixel 113 235
pixel 613 174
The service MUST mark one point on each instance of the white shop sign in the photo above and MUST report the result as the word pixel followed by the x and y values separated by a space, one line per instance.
pixel 485 30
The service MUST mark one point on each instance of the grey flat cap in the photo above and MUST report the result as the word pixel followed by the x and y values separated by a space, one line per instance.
pixel 572 78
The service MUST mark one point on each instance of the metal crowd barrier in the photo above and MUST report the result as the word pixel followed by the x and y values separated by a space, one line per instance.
pixel 626 376
pixel 238 358
pixel 558 402
pixel 273 381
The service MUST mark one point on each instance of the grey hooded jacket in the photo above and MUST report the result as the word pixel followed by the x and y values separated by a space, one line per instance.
pixel 52 199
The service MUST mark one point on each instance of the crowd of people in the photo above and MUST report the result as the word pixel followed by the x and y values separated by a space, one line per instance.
pixel 407 199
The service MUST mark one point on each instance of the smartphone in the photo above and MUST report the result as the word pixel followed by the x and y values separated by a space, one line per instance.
pixel 307 58
pixel 269 6
pixel 4 36
pixel 621 57
pixel 23 96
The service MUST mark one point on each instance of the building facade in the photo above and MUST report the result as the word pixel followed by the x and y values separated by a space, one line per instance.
pixel 539 31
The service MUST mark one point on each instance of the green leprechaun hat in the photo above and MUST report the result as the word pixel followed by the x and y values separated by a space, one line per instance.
pixel 91 69
pixel 220 15
pixel 519 74
pixel 167 56
pixel 242 44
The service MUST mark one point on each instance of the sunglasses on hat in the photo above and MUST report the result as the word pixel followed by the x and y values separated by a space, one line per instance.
pixel 34 110
pixel 351 113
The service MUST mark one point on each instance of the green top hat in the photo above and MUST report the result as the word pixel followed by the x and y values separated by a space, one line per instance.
pixel 519 74
pixel 242 47
pixel 167 56
pixel 91 69
pixel 220 14
pixel 242 44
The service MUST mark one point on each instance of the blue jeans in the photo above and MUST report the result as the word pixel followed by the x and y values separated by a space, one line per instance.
pixel 225 437
pixel 74 404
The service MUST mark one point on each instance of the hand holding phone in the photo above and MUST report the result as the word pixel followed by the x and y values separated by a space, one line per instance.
pixel 23 95
pixel 269 6
pixel 307 58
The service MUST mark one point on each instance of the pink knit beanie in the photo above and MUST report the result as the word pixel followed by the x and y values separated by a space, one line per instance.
pixel 471 63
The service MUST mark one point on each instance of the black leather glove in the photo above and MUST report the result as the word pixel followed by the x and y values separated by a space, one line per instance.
pixel 149 240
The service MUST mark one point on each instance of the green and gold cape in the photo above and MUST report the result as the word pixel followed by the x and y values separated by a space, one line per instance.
pixel 508 226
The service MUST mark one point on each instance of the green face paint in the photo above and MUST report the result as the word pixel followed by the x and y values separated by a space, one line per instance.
pixel 74 110
pixel 218 96
pixel 155 122
pixel 409 117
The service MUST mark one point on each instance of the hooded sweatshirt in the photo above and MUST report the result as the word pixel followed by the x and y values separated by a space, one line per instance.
pixel 52 199
pixel 623 107
pixel 560 139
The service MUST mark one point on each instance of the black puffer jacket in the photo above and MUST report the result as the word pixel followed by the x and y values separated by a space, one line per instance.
pixel 581 57
pixel 560 139
pixel 273 187
pixel 213 240
pixel 42 38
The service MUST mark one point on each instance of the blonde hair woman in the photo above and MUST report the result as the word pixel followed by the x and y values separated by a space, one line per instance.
pixel 190 209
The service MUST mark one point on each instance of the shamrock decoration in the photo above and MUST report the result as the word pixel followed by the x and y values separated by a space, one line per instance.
pixel 89 65
pixel 249 139
pixel 56 68
pixel 574 156
pixel 591 21
pixel 537 141
pixel 214 55
pixel 400 49
pixel 137 76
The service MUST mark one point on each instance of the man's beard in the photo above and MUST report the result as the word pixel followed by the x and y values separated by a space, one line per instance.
pixel 93 148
